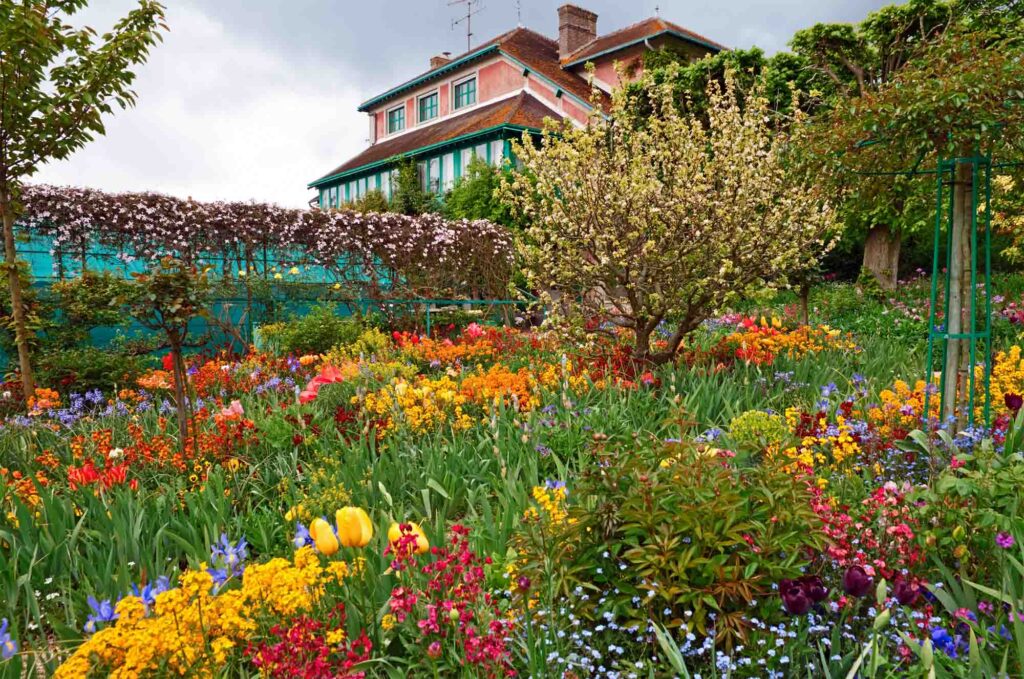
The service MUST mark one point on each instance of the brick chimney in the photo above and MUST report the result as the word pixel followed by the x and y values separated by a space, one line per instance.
pixel 440 60
pixel 576 27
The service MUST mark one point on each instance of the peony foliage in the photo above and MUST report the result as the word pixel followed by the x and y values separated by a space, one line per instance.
pixel 653 222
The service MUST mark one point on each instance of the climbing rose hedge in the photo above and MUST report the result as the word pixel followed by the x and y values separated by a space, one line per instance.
pixel 375 254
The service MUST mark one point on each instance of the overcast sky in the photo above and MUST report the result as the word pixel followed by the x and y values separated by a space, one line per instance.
pixel 252 99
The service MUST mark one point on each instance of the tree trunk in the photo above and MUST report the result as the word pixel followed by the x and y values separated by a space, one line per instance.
pixel 882 255
pixel 959 292
pixel 805 303
pixel 21 336
pixel 179 392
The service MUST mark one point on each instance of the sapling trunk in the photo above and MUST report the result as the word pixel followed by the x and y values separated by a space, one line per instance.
pixel 21 337
pixel 179 391
pixel 957 350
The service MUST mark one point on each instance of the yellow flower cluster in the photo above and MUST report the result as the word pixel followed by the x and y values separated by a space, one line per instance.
pixel 829 450
pixel 424 404
pixel 1007 378
pixel 901 407
pixel 421 405
pixel 191 630
pixel 551 502
pixel 761 343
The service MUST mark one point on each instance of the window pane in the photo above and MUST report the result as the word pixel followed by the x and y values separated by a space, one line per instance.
pixel 465 93
pixel 396 120
pixel 428 107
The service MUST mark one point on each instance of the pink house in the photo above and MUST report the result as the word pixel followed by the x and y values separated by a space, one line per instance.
pixel 474 103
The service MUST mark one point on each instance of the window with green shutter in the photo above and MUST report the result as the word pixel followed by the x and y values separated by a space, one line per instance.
pixel 396 120
pixel 465 93
pixel 428 107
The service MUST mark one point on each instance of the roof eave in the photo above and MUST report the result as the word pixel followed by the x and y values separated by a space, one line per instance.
pixel 330 179
pixel 625 45
pixel 430 75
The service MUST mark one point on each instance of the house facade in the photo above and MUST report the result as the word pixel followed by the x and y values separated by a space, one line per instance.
pixel 474 104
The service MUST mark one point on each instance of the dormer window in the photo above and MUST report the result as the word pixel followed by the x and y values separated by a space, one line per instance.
pixel 396 119
pixel 428 107
pixel 465 93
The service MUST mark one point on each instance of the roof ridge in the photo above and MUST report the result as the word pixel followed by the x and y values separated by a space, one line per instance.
pixel 583 47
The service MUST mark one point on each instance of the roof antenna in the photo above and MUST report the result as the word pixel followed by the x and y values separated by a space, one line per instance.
pixel 519 13
pixel 657 11
pixel 472 7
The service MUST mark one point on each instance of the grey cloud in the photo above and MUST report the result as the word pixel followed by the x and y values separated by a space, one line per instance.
pixel 251 99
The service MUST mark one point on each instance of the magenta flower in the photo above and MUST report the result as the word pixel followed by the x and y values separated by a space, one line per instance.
pixel 1004 540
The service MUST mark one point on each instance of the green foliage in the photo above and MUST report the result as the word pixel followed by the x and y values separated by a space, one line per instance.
pixel 983 495
pixel 779 76
pixel 684 524
pixel 314 333
pixel 167 297
pixel 87 302
pixel 407 194
pixel 372 201
pixel 475 196
pixel 371 342
pixel 869 285
pixel 86 368
pixel 754 431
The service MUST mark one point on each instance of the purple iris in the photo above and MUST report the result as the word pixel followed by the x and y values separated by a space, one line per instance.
pixel 8 646
pixel 102 611
pixel 302 537
pixel 149 592
pixel 228 559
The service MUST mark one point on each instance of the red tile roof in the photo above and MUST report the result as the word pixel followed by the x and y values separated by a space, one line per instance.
pixel 631 34
pixel 537 52
pixel 540 54
pixel 521 110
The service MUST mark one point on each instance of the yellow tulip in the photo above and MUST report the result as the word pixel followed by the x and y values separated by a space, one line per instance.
pixel 323 537
pixel 422 544
pixel 354 527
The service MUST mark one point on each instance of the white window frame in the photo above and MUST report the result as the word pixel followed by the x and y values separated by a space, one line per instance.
pixel 387 120
pixel 476 91
pixel 435 92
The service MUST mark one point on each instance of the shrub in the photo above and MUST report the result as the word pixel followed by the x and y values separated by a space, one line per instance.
pixel 755 431
pixel 86 368
pixel 316 332
pixel 676 534
pixel 371 343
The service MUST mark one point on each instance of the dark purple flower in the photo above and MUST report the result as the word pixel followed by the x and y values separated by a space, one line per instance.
pixel 523 583
pixel 856 581
pixel 1004 540
pixel 814 588
pixel 905 592
pixel 794 598
pixel 1013 402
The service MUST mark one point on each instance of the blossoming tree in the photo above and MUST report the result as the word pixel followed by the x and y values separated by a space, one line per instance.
pixel 640 221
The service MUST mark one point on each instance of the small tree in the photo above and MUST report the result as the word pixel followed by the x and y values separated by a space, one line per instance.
pixel 475 195
pixel 962 96
pixel 56 83
pixel 663 218
pixel 408 196
pixel 166 299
